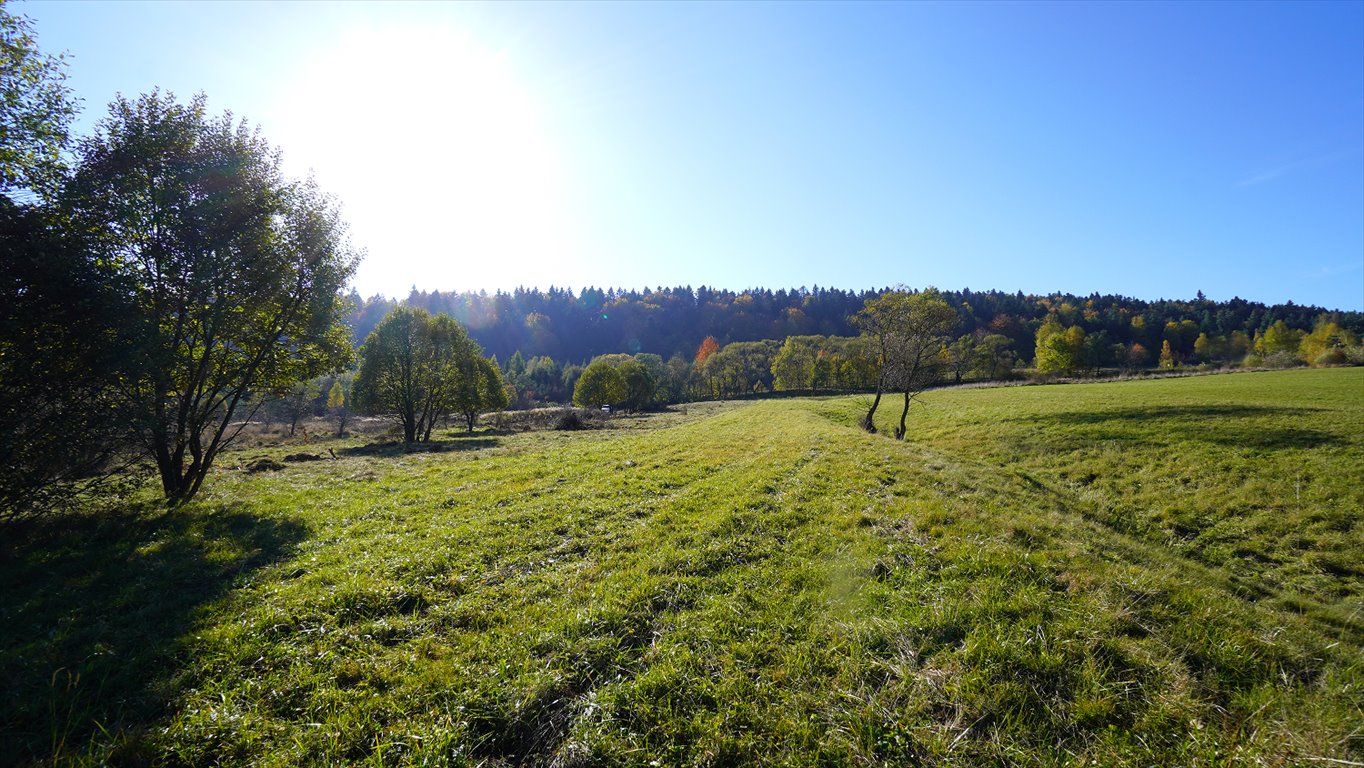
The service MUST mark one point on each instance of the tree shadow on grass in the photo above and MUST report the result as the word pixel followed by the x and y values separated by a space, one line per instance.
pixel 94 609
pixel 1241 426
pixel 399 448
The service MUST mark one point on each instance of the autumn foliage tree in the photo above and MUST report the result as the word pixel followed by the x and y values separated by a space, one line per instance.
pixel 1326 344
pixel 709 346
pixel 338 403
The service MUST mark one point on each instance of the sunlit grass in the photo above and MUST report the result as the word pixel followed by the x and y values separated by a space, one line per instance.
pixel 1161 572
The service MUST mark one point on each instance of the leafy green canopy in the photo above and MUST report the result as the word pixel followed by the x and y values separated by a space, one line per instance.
pixel 910 331
pixel 631 381
pixel 420 368
pixel 63 330
pixel 235 273
pixel 36 110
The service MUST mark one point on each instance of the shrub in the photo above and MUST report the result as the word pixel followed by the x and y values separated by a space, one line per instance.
pixel 1334 356
pixel 569 421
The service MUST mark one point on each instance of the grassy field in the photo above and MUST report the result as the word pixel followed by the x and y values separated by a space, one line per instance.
pixel 1144 573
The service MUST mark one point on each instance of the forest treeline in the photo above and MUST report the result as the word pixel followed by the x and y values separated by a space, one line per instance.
pixel 574 327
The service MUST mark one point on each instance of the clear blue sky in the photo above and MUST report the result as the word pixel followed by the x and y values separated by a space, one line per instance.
pixel 1147 149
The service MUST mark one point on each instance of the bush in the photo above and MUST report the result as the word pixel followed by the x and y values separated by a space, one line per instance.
pixel 1330 357
pixel 569 421
pixel 1271 360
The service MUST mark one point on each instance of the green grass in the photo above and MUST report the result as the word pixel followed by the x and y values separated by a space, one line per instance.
pixel 1156 572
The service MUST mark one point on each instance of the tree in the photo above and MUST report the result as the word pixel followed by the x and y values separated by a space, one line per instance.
pixel 1279 338
pixel 993 355
pixel 64 322
pixel 1204 347
pixel 419 368
pixel 234 274
pixel 1060 350
pixel 793 368
pixel 1182 335
pixel 544 380
pixel 960 355
pixel 298 402
pixel 1096 351
pixel 338 404
pixel 910 330
pixel 1137 357
pixel 569 381
pixel 36 110
pixel 481 389
pixel 1326 344
pixel 657 391
pixel 682 379
pixel 1168 360
pixel 601 383
pixel 64 334
pixel 709 346
pixel 639 384
pixel 741 368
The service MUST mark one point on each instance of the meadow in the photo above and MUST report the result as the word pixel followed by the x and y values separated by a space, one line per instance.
pixel 1164 572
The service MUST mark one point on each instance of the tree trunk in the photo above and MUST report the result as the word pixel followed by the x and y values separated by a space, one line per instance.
pixel 900 431
pixel 471 417
pixel 868 421
pixel 177 480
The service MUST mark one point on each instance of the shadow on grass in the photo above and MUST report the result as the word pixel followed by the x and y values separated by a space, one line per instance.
pixel 94 610
pixel 398 448
pixel 1244 426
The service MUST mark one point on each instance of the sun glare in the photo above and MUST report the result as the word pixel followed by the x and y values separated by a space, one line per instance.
pixel 442 157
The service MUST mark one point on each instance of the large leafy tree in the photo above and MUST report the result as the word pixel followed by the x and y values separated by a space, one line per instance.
pixel 234 273
pixel 36 110
pixel 601 383
pixel 420 368
pixel 62 312
pixel 1059 349
pixel 910 331
pixel 794 366
pixel 64 332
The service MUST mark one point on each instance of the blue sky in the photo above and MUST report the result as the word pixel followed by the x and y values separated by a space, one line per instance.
pixel 1147 149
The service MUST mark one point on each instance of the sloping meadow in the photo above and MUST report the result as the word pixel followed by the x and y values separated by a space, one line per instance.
pixel 1157 572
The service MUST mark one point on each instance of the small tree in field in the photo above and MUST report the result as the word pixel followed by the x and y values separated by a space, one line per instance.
pixel 338 406
pixel 910 330
pixel 299 403
pixel 960 356
pixel 1167 356
pixel 481 389
pixel 418 368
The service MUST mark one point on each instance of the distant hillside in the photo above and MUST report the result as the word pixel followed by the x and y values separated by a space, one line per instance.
pixel 575 327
